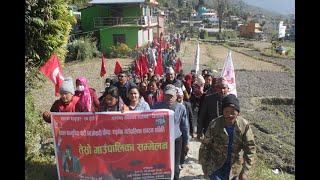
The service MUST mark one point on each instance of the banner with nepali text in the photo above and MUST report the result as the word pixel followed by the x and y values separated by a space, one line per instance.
pixel 114 145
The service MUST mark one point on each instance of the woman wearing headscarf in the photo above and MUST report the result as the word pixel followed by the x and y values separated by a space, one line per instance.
pixel 112 101
pixel 87 95
pixel 68 102
pixel 137 102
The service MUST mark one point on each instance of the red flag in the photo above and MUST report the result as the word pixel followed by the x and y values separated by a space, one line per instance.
pixel 53 71
pixel 103 70
pixel 137 68
pixel 117 68
pixel 178 65
pixel 159 69
pixel 136 47
pixel 143 64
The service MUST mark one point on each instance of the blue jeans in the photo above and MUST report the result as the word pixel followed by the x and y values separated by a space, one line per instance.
pixel 222 174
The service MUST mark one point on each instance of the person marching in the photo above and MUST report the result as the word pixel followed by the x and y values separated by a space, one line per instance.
pixel 68 102
pixel 228 148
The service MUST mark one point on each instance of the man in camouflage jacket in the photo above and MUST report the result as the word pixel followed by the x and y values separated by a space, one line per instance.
pixel 228 148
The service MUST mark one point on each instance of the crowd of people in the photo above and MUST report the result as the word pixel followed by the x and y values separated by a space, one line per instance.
pixel 203 109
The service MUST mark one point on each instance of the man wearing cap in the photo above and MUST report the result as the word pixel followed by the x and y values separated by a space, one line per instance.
pixel 181 124
pixel 228 148
pixel 123 85
pixel 67 102
pixel 211 106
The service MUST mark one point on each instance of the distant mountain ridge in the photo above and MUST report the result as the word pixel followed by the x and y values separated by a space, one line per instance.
pixel 283 7
pixel 266 7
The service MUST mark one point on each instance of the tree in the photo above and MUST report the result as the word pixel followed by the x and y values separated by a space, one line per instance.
pixel 223 9
pixel 47 28
pixel 201 3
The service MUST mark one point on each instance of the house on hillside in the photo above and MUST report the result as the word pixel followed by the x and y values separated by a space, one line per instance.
pixel 122 21
pixel 250 30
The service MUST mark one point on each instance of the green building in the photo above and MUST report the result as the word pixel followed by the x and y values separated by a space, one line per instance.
pixel 121 21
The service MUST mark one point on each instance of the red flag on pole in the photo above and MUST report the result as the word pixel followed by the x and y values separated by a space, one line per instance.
pixel 178 65
pixel 137 68
pixel 53 71
pixel 228 73
pixel 143 64
pixel 117 68
pixel 159 69
pixel 103 70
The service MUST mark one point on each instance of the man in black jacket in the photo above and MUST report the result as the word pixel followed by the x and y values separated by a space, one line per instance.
pixel 211 106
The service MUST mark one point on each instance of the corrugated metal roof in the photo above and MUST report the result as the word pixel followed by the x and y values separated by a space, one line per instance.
pixel 115 1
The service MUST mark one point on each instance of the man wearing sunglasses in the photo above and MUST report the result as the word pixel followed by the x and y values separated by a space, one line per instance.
pixel 123 85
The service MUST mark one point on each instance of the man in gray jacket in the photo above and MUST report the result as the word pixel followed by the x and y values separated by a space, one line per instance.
pixel 181 124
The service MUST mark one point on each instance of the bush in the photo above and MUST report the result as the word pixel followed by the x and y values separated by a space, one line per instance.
pixel 203 34
pixel 120 50
pixel 227 35
pixel 82 49
pixel 39 156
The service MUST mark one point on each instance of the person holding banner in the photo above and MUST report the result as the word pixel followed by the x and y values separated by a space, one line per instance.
pixel 68 102
pixel 112 101
pixel 228 148
pixel 181 124
pixel 137 103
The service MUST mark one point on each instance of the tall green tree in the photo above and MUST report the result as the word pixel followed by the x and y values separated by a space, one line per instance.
pixel 223 10
pixel 47 28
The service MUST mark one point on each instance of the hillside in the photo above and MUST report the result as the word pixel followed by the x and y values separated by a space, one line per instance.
pixel 236 4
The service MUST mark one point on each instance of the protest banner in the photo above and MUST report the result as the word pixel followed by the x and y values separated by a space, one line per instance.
pixel 114 145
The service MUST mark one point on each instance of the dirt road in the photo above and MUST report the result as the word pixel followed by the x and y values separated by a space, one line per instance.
pixel 266 92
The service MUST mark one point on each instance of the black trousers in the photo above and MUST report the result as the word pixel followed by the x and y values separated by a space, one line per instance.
pixel 177 155
pixel 183 155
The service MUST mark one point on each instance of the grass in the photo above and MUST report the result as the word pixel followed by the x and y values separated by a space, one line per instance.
pixel 260 170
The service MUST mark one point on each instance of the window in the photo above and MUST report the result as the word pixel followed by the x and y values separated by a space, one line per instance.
pixel 119 38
